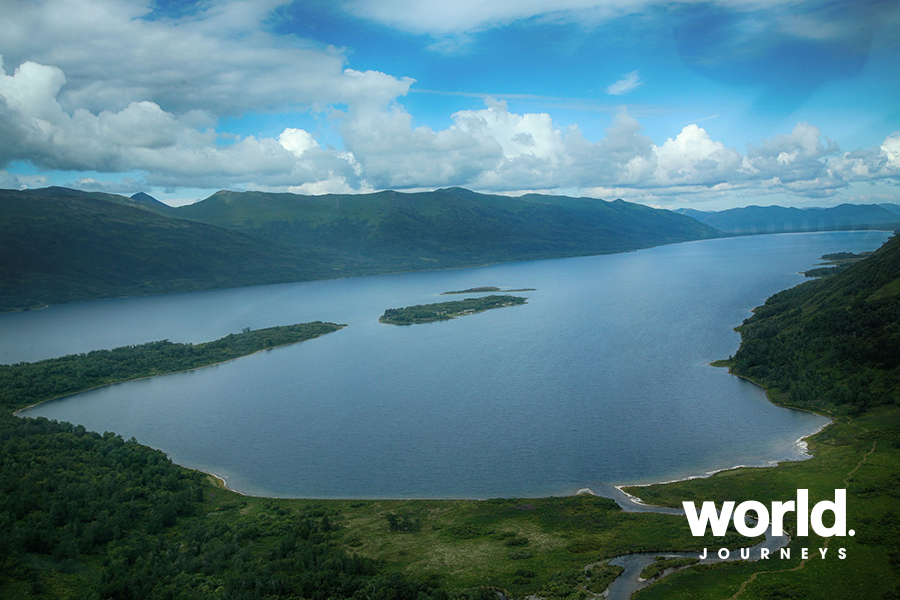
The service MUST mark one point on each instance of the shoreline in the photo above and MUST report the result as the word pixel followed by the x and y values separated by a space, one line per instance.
pixel 223 483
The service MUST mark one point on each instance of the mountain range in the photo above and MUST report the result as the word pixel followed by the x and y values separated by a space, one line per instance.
pixel 62 245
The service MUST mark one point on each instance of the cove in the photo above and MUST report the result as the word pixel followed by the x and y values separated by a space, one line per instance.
pixel 602 376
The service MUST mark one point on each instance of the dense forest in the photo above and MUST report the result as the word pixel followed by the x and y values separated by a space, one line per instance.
pixel 90 516
pixel 831 344
pixel 442 311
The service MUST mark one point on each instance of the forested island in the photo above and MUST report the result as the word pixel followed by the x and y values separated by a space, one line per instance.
pixel 482 290
pixel 442 311
pixel 474 290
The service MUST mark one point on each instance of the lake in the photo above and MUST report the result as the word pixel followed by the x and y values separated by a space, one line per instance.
pixel 602 377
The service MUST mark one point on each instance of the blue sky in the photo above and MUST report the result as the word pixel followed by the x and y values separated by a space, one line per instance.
pixel 703 104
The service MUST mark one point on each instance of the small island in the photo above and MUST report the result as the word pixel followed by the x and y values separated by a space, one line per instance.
pixel 442 311
pixel 483 290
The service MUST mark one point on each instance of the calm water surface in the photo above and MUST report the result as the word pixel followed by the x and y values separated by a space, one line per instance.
pixel 602 377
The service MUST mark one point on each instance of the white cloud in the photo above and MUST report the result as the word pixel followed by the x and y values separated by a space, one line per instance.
pixel 625 85
pixel 9 181
pixel 497 150
pixel 125 186
pixel 880 162
pixel 221 60
pixel 297 141
pixel 142 137
pixel 693 158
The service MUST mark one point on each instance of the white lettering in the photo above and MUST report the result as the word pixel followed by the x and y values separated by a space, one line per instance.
pixel 697 521
pixel 763 554
pixel 724 553
pixel 778 511
pixel 785 553
pixel 703 556
pixel 842 553
pixel 823 551
pixel 718 521
pixel 804 553
pixel 740 518
pixel 745 553
pixel 803 513
pixel 839 508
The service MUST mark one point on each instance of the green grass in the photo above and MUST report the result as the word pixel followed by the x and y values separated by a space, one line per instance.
pixel 470 543
pixel 861 455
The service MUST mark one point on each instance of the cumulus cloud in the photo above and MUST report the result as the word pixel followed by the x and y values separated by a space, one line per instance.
pixel 880 162
pixel 221 60
pixel 499 150
pixel 625 85
pixel 492 149
pixel 171 150
pixel 9 181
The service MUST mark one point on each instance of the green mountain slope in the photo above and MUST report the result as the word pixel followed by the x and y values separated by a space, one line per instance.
pixel 832 344
pixel 446 228
pixel 61 247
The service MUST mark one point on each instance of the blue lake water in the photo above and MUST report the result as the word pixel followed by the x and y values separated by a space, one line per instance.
pixel 602 377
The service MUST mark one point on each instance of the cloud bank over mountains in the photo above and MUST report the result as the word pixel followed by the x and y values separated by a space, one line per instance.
pixel 111 87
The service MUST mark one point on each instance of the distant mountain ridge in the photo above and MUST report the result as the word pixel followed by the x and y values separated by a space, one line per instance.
pixel 447 227
pixel 62 245
pixel 780 219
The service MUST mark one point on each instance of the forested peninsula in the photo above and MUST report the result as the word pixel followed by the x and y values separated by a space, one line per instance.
pixel 24 384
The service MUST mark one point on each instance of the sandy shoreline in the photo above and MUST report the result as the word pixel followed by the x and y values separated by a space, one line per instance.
pixel 800 444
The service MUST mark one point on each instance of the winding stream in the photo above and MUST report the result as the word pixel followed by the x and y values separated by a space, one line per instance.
pixel 629 582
